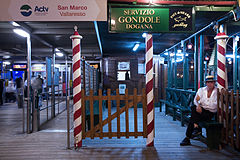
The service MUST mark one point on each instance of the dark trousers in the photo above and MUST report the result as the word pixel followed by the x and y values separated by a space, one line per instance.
pixel 196 118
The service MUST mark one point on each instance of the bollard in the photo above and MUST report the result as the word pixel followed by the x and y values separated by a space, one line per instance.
pixel 35 114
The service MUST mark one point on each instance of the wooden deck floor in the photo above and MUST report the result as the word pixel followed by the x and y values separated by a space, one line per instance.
pixel 51 143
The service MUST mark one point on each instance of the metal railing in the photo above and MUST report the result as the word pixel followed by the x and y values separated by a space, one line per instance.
pixel 44 104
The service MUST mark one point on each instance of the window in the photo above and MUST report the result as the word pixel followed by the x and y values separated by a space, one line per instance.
pixel 141 68
pixel 123 72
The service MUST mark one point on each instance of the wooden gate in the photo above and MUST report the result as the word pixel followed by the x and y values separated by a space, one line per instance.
pixel 127 101
pixel 228 114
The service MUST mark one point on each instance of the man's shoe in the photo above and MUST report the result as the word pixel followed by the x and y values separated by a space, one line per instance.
pixel 185 142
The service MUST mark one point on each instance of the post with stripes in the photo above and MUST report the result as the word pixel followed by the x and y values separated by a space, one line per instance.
pixel 221 59
pixel 149 90
pixel 221 70
pixel 76 38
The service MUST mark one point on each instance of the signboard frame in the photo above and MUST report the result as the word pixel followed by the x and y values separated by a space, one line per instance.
pixel 111 8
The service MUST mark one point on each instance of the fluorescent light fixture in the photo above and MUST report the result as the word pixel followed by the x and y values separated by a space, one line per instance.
pixel 237 38
pixel 136 47
pixel 15 24
pixel 171 54
pixel 6 57
pixel 59 54
pixel 57 50
pixel 21 32
pixel 144 35
pixel 6 63
pixel 230 56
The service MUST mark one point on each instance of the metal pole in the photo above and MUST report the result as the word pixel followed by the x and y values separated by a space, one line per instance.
pixel 201 60
pixel 66 78
pixel 23 110
pixel 169 71
pixel 196 63
pixel 185 68
pixel 68 123
pixel 47 96
pixel 175 67
pixel 69 77
pixel 34 110
pixel 235 65
pixel 58 99
pixel 53 86
pixel 29 73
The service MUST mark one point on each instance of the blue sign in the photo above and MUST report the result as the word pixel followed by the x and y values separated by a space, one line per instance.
pixel 56 76
pixel 49 71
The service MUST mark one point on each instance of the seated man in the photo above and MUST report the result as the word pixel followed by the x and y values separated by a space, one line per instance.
pixel 205 106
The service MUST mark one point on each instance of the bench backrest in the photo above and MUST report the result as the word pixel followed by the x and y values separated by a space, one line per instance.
pixel 183 98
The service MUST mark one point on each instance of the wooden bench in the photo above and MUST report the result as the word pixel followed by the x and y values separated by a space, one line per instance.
pixel 179 102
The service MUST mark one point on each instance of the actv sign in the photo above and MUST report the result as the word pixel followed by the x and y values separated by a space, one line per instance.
pixel 26 10
pixel 53 10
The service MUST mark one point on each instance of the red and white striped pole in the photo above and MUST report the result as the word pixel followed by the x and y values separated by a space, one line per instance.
pixel 221 70
pixel 149 90
pixel 76 38
pixel 221 50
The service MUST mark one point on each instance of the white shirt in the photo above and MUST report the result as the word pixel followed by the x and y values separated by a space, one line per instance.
pixel 210 103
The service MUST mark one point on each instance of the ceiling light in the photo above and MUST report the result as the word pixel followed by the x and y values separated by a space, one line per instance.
pixel 144 35
pixel 136 47
pixel 150 1
pixel 57 50
pixel 172 54
pixel 237 38
pixel 231 56
pixel 179 51
pixel 21 32
pixel 6 57
pixel 189 46
pixel 59 54
pixel 6 63
pixel 166 53
pixel 15 24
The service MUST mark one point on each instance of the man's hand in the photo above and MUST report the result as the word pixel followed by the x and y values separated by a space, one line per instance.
pixel 199 109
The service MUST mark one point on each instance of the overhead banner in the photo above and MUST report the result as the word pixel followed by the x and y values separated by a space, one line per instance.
pixel 53 10
pixel 151 19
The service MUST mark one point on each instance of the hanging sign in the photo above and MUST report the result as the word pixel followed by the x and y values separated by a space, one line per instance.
pixel 151 19
pixel 49 70
pixel 53 10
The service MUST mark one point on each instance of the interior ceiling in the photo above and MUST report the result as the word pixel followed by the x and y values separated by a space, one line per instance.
pixel 46 35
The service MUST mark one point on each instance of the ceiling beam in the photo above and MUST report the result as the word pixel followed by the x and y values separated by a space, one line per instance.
pixel 162 2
